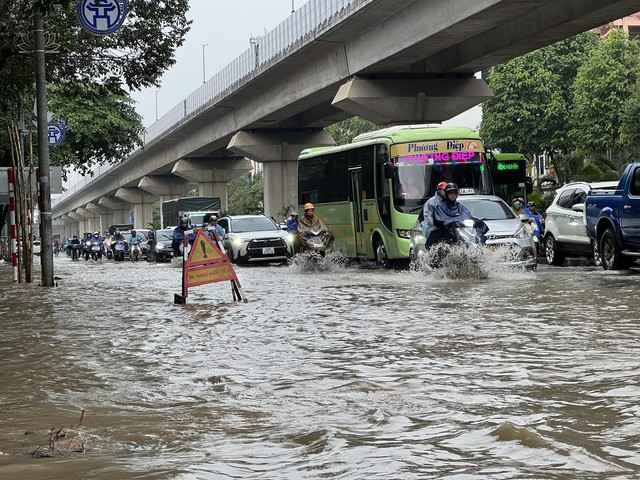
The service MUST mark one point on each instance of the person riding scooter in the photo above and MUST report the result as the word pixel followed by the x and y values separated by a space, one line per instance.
pixel 135 240
pixel 310 226
pixel 449 215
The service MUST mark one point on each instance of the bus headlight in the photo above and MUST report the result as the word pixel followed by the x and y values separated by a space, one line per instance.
pixel 404 233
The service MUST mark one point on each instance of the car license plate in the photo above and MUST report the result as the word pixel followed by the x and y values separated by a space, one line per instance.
pixel 268 251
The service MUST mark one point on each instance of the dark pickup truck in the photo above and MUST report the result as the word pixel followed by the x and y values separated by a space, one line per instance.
pixel 613 220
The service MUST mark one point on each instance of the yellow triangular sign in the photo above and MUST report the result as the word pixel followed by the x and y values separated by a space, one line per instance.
pixel 203 250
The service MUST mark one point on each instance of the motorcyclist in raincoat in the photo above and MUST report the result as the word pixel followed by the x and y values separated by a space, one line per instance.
pixel 178 236
pixel 427 211
pixel 449 214
pixel 308 223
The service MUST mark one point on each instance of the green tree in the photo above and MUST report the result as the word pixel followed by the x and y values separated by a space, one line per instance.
pixel 100 125
pixel 132 58
pixel 245 195
pixel 532 98
pixel 345 131
pixel 603 86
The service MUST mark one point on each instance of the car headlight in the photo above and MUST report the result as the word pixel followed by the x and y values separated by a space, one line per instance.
pixel 522 232
pixel 237 241
pixel 404 233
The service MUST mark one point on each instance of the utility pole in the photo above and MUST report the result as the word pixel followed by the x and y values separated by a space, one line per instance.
pixel 46 235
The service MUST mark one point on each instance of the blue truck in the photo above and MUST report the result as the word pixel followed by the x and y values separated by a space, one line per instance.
pixel 613 221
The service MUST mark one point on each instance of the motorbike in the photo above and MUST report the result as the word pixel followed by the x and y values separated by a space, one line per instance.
pixel 461 251
pixel 93 250
pixel 74 251
pixel 134 251
pixel 314 242
pixel 119 249
pixel 86 249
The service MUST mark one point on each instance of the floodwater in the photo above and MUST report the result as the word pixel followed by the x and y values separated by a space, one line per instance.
pixel 346 373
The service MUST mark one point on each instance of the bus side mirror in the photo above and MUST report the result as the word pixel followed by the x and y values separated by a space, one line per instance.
pixel 389 170
pixel 529 185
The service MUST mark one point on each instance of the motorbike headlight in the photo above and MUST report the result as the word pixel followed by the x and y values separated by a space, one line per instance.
pixel 468 223
pixel 404 233
pixel 160 246
pixel 419 238
pixel 290 238
pixel 522 232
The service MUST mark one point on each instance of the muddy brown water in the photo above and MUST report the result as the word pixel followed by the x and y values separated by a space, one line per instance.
pixel 347 372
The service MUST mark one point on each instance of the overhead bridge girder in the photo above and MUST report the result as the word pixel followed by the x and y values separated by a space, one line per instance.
pixel 409 101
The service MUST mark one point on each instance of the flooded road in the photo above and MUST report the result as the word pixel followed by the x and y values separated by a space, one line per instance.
pixel 349 373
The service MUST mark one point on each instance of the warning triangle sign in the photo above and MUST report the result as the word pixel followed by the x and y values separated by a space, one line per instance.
pixel 204 251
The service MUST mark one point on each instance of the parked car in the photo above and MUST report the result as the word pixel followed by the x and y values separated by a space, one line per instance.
pixel 159 248
pixel 505 230
pixel 565 233
pixel 255 238
pixel 613 221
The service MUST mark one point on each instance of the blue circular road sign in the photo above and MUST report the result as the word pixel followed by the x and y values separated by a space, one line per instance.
pixel 102 17
pixel 56 133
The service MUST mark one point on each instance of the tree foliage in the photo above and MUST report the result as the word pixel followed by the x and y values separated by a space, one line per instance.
pixel 606 81
pixel 245 195
pixel 532 98
pixel 345 131
pixel 102 67
pixel 100 125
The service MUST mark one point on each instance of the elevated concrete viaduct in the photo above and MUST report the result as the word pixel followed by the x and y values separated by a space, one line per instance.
pixel 389 61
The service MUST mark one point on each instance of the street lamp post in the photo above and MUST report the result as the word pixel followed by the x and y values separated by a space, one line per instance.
pixel 157 105
pixel 203 64
pixel 293 10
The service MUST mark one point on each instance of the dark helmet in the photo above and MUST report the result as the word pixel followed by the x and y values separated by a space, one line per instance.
pixel 213 218
pixel 451 187
pixel 531 204
pixel 184 220
pixel 133 232
pixel 117 232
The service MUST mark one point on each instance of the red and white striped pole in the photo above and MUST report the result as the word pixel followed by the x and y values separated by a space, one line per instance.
pixel 12 222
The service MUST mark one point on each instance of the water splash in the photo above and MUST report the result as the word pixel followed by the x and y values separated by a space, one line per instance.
pixel 459 261
pixel 314 263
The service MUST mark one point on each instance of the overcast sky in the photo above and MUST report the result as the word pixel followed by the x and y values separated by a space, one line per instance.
pixel 226 26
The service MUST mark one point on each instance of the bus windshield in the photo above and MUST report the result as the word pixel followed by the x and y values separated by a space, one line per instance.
pixel 419 167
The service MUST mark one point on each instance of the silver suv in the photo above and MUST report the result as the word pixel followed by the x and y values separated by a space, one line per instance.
pixel 565 234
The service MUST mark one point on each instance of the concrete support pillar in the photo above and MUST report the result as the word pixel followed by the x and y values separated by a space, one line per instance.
pixel 410 101
pixel 279 152
pixel 166 187
pixel 120 210
pixel 215 189
pixel 91 221
pixel 104 216
pixel 212 175
pixel 81 222
pixel 142 204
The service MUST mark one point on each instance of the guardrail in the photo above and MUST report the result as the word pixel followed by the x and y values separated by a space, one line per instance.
pixel 298 30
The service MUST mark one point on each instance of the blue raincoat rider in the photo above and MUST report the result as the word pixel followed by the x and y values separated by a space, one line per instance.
pixel 449 214
pixel 429 206
pixel 178 236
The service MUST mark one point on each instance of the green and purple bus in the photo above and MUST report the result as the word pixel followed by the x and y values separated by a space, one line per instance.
pixel 369 192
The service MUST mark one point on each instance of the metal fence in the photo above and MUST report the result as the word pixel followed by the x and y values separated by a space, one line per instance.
pixel 298 30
